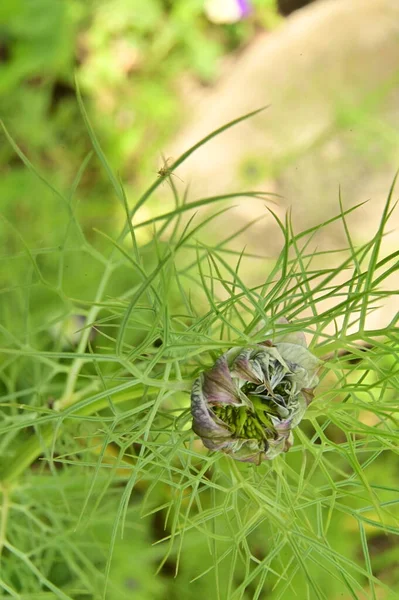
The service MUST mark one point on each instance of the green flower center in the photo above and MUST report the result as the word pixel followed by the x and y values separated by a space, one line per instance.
pixel 262 402
pixel 249 387
pixel 270 400
pixel 245 423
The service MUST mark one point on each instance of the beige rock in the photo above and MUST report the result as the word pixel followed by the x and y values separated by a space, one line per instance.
pixel 330 74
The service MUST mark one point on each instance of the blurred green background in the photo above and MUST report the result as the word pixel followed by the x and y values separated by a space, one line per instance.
pixel 129 58
pixel 144 68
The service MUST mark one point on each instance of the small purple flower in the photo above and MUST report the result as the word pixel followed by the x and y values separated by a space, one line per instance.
pixel 249 402
pixel 227 11
pixel 244 7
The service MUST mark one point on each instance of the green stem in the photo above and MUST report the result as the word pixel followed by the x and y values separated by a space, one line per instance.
pixel 66 399
pixel 5 508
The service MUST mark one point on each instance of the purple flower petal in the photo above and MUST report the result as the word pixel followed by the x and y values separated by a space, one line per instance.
pixel 247 369
pixel 218 385
pixel 244 7
pixel 204 423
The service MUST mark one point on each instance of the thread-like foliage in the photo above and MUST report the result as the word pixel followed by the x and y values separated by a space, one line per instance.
pixel 103 482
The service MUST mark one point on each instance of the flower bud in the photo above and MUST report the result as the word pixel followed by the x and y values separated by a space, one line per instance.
pixel 249 402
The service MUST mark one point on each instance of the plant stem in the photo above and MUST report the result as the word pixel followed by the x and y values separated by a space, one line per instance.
pixel 66 399
pixel 5 508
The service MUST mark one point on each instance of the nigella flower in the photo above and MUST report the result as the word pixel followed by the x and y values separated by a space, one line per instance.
pixel 249 402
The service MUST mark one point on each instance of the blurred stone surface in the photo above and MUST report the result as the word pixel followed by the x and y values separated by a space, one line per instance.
pixel 330 75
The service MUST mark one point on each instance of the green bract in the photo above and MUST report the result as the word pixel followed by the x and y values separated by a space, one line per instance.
pixel 247 404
